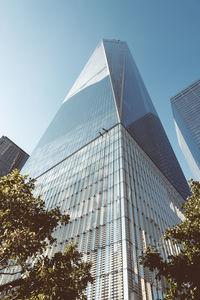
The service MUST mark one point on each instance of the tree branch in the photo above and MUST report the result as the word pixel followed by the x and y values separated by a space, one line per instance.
pixel 11 284
pixel 9 273
pixel 8 266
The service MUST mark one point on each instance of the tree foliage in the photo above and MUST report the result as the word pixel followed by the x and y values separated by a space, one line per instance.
pixel 64 276
pixel 181 271
pixel 25 233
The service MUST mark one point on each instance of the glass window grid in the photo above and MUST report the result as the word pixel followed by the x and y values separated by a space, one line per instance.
pixel 90 186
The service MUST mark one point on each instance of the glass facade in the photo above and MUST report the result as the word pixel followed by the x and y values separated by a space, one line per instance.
pixel 108 91
pixel 11 156
pixel 94 162
pixel 87 109
pixel 118 202
pixel 186 111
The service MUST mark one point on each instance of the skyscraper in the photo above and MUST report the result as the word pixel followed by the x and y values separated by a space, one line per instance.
pixel 105 160
pixel 11 156
pixel 186 111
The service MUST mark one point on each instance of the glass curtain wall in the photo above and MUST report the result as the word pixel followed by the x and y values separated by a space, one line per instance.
pixel 119 195
pixel 186 112
pixel 118 202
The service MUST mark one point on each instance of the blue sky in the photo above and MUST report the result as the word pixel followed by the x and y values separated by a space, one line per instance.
pixel 44 45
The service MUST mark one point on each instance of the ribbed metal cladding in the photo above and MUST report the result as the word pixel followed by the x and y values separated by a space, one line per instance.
pixel 149 133
pixel 118 202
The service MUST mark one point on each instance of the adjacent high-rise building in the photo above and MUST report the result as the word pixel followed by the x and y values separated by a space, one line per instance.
pixel 186 111
pixel 11 156
pixel 106 161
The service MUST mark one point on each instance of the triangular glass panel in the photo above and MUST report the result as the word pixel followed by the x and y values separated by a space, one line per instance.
pixel 94 71
pixel 115 54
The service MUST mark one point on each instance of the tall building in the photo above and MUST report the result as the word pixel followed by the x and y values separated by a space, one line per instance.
pixel 11 156
pixel 106 161
pixel 186 111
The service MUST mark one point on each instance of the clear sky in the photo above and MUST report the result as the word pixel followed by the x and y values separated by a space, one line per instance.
pixel 44 45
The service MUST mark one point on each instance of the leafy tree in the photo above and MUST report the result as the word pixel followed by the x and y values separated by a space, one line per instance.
pixel 25 233
pixel 181 271
pixel 64 276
